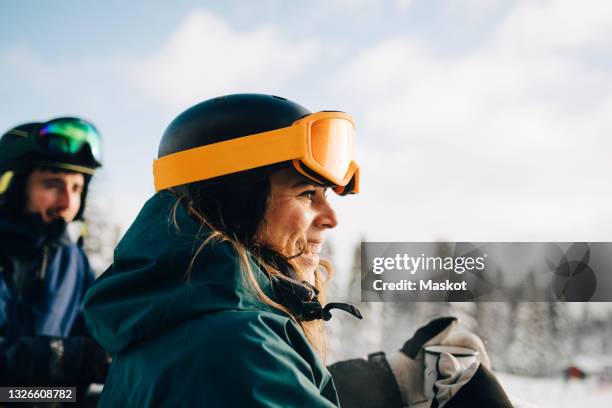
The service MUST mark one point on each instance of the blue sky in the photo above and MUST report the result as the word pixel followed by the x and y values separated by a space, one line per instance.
pixel 477 120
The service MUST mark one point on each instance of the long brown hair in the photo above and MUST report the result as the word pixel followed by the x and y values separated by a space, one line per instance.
pixel 206 203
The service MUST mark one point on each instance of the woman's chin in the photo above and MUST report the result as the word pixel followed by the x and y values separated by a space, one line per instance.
pixel 308 263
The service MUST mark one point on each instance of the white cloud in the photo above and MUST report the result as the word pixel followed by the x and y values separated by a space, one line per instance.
pixel 554 26
pixel 507 141
pixel 395 64
pixel 73 85
pixel 473 9
pixel 403 5
pixel 205 57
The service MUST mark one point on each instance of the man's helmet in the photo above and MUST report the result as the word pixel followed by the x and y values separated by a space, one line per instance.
pixel 69 144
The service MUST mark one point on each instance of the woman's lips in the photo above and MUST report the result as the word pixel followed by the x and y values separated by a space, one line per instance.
pixel 315 247
pixel 310 259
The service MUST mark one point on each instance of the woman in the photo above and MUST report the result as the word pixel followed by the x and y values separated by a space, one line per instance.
pixel 204 299
pixel 214 297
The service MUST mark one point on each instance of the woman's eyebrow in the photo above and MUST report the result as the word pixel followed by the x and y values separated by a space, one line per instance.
pixel 304 183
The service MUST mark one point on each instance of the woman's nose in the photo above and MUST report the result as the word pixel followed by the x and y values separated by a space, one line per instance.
pixel 327 217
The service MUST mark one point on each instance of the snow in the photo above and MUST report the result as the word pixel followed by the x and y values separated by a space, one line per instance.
pixel 555 392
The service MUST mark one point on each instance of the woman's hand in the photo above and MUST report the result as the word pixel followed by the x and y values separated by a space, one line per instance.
pixel 408 367
pixel 397 380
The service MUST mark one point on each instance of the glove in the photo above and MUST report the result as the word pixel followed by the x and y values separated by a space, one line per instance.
pixel 452 378
pixel 397 380
pixel 408 365
pixel 96 362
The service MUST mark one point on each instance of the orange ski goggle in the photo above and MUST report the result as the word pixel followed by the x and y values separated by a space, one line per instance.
pixel 320 147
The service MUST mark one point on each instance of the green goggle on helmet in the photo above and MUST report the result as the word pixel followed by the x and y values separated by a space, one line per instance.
pixel 68 137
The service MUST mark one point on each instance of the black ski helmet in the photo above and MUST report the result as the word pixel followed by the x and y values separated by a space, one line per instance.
pixel 20 154
pixel 15 147
pixel 228 117
pixel 234 203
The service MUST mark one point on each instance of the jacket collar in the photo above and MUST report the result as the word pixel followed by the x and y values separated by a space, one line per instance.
pixel 28 233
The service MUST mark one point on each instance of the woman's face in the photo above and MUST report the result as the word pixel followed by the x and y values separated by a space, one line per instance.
pixel 296 208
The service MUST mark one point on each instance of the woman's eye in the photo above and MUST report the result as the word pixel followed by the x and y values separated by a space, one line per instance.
pixel 308 193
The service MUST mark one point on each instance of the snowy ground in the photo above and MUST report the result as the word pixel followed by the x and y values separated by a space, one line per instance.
pixel 556 393
pixel 540 393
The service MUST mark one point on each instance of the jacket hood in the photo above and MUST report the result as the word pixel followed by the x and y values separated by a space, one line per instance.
pixel 146 290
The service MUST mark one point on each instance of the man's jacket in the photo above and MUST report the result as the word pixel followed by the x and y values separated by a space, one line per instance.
pixel 43 280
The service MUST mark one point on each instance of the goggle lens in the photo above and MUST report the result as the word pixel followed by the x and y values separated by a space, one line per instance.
pixel 69 137
pixel 332 145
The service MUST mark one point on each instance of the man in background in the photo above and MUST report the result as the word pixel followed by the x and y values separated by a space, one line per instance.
pixel 45 170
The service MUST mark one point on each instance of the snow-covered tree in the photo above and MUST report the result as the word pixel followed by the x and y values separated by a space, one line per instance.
pixel 100 234
pixel 359 337
pixel 535 349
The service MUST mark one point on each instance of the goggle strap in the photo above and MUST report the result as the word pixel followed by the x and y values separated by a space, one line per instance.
pixel 66 166
pixel 18 132
pixel 252 151
pixel 231 156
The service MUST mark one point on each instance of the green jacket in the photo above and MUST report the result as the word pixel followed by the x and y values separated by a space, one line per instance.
pixel 206 341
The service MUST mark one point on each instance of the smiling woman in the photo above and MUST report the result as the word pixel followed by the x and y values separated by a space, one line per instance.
pixel 219 280
pixel 297 208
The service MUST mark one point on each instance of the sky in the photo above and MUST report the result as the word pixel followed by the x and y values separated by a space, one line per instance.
pixel 476 120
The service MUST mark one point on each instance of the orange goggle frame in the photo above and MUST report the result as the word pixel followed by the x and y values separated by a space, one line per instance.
pixel 319 145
